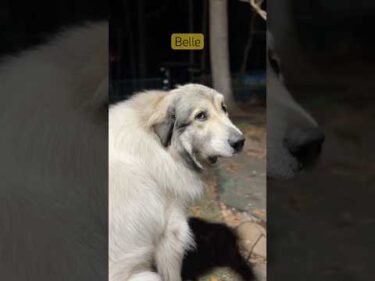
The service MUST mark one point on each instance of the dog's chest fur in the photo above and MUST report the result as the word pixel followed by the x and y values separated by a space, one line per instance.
pixel 149 192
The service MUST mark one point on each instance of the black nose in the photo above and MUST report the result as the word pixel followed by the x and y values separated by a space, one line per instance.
pixel 305 145
pixel 237 143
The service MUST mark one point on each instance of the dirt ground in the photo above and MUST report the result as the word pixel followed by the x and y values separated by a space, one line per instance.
pixel 236 195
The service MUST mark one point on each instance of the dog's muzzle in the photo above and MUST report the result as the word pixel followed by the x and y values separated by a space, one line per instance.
pixel 305 145
pixel 237 142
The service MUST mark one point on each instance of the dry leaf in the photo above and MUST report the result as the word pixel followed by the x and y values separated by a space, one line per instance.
pixel 233 167
pixel 260 213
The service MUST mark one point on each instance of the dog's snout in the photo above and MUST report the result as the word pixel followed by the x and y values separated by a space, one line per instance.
pixel 237 143
pixel 305 145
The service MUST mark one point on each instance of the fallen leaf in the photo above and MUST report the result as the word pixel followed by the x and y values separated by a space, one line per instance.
pixel 260 213
pixel 233 167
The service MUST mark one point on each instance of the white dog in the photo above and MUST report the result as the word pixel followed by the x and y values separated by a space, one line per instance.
pixel 159 144
pixel 294 138
pixel 53 165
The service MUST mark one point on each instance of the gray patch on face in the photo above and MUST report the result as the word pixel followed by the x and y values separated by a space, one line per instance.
pixel 183 112
pixel 189 161
pixel 185 103
pixel 164 130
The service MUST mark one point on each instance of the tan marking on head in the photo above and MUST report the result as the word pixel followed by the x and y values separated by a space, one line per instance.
pixel 219 100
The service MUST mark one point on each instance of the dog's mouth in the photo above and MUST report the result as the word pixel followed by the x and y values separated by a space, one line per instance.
pixel 199 160
pixel 212 159
pixel 202 161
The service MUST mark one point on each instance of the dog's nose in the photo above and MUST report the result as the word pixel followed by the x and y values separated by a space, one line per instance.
pixel 305 145
pixel 237 143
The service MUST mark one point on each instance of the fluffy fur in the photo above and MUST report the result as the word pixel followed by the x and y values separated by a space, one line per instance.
pixel 159 144
pixel 53 169
pixel 293 136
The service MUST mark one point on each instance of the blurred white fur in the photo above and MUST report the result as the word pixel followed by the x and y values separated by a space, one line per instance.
pixel 53 185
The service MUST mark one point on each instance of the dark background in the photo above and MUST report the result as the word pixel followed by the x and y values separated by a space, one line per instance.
pixel 140 53
pixel 141 56
pixel 162 18
pixel 25 23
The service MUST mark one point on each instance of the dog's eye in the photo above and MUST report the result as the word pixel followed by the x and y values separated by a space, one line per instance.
pixel 201 116
pixel 224 108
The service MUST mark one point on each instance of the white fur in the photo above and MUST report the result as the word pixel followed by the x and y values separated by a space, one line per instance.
pixel 52 121
pixel 283 114
pixel 148 194
pixel 149 189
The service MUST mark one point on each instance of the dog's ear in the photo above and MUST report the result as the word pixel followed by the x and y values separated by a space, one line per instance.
pixel 164 129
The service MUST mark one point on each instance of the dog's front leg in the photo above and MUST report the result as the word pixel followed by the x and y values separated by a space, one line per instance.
pixel 176 239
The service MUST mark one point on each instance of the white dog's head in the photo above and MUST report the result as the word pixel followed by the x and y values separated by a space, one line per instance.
pixel 294 139
pixel 197 126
